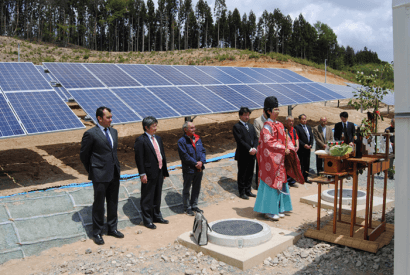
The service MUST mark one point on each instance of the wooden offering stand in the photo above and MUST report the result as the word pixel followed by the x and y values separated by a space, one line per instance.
pixel 376 163
pixel 344 227
pixel 336 169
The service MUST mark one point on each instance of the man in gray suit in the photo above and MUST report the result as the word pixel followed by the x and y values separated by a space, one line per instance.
pixel 322 135
pixel 99 156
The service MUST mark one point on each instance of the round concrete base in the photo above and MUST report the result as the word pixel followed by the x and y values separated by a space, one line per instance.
pixel 232 239
pixel 329 196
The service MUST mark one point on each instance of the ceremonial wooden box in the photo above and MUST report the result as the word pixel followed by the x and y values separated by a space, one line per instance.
pixel 335 164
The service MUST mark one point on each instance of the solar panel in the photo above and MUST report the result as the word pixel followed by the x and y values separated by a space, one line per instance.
pixel 295 75
pixel 90 100
pixel 312 97
pixel 180 101
pixel 197 75
pixel 238 75
pixel 388 99
pixel 233 97
pixel 289 93
pixel 218 74
pixel 249 93
pixel 21 76
pixel 274 77
pixel 49 78
pixel 43 112
pixel 172 75
pixel 144 75
pixel 326 90
pixel 282 75
pixel 111 75
pixel 317 91
pixel 73 75
pixel 9 125
pixel 145 103
pixel 215 103
pixel 343 91
pixel 356 86
pixel 62 91
pixel 255 75
pixel 267 91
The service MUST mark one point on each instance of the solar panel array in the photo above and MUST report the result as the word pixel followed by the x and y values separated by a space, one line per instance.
pixel 29 104
pixel 387 99
pixel 62 93
pixel 134 91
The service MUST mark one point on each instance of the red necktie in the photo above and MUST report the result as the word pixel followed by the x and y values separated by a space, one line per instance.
pixel 159 157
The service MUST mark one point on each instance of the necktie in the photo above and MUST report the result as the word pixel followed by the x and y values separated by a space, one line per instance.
pixel 306 131
pixel 107 136
pixel 246 126
pixel 345 132
pixel 157 152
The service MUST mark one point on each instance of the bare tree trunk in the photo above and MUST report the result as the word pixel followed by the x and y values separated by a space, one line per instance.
pixel 218 32
pixel 143 35
pixel 172 34
pixel 149 37
pixel 186 33
pixel 160 32
pixel 206 35
pixel 138 33
pixel 283 44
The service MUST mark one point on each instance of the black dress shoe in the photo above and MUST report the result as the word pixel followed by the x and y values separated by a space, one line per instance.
pixel 250 194
pixel 115 233
pixel 161 221
pixel 150 225
pixel 196 209
pixel 243 196
pixel 189 212
pixel 98 239
pixel 308 181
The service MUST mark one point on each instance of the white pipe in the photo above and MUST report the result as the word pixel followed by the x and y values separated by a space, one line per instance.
pixel 401 42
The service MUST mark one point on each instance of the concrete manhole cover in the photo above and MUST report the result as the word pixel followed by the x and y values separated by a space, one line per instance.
pixel 237 227
pixel 329 195
pixel 239 233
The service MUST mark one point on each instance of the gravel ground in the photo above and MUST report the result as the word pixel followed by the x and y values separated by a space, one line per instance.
pixel 306 257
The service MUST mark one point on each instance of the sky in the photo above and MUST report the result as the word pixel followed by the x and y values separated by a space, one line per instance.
pixel 357 23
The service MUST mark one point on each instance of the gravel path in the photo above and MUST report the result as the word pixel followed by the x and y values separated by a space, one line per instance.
pixel 306 257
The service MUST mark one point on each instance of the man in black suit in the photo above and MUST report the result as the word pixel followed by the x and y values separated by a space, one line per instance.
pixel 246 144
pixel 345 128
pixel 152 167
pixel 99 156
pixel 305 142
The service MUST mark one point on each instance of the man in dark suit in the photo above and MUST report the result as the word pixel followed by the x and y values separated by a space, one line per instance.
pixel 99 156
pixel 305 142
pixel 152 167
pixel 192 155
pixel 345 129
pixel 246 144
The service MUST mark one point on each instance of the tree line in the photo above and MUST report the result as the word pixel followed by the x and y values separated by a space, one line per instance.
pixel 137 25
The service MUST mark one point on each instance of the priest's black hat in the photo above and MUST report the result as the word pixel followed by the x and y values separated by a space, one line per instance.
pixel 271 102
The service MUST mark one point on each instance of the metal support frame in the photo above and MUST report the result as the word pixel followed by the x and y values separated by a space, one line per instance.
pixel 189 118
pixel 290 108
